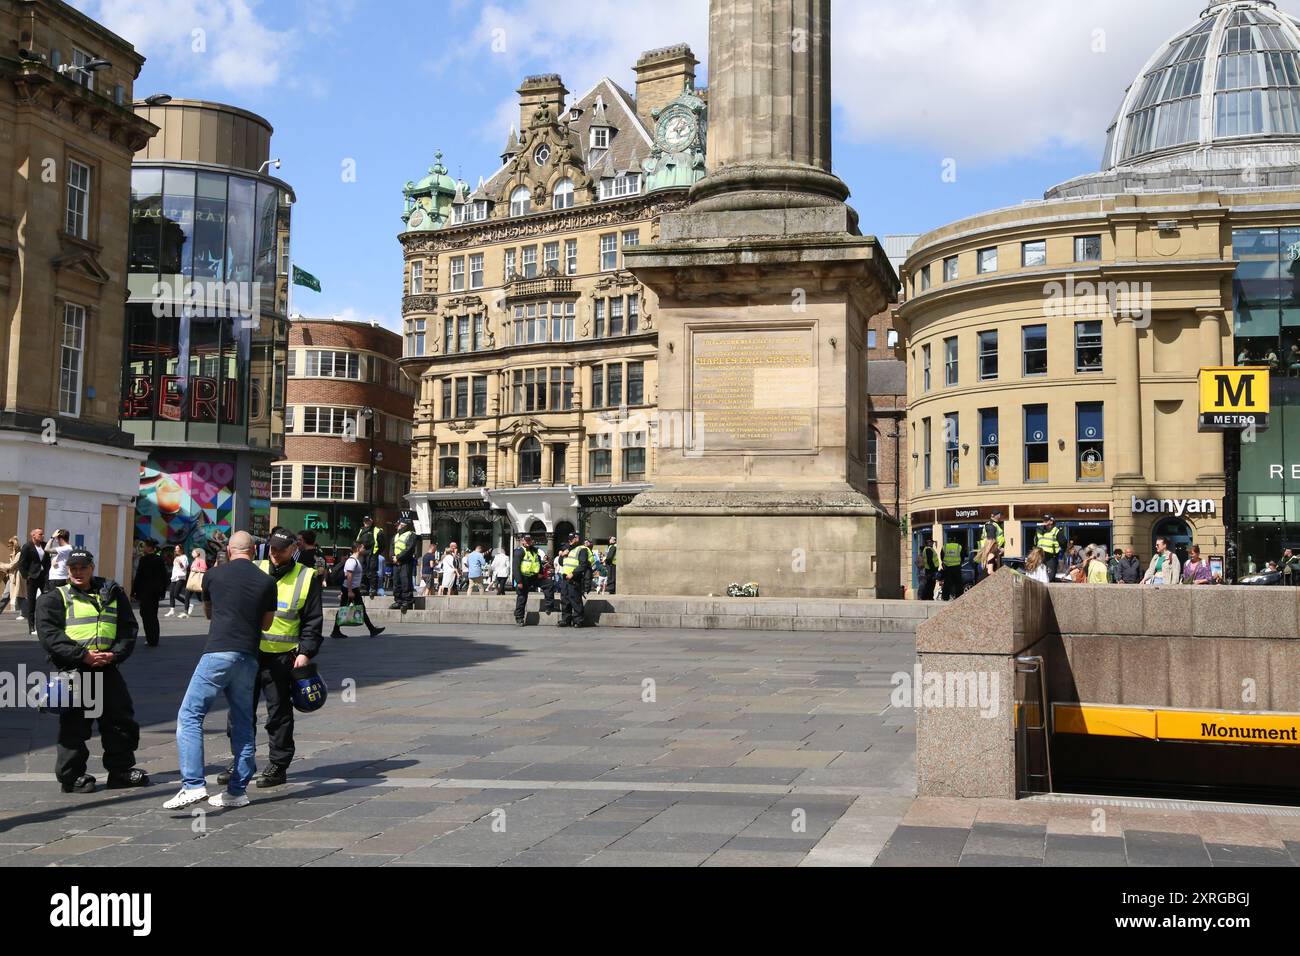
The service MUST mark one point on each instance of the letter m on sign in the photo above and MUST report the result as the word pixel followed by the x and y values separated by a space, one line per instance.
pixel 1230 396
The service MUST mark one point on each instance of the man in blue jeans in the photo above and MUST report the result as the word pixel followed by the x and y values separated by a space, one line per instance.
pixel 240 601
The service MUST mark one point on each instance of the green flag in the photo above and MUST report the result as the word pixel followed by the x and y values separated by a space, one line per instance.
pixel 305 279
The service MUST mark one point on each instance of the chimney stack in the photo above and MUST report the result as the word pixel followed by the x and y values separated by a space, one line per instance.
pixel 547 89
pixel 661 75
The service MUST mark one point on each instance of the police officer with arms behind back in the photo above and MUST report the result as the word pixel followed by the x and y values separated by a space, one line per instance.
pixel 526 566
pixel 87 626
pixel 577 573
pixel 1051 540
pixel 293 640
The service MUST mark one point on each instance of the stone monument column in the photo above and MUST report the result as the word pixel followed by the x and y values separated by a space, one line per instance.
pixel 765 284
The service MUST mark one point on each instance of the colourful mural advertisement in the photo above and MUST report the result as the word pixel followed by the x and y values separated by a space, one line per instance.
pixel 185 502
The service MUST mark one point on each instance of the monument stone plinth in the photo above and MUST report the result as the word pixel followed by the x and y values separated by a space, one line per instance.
pixel 765 285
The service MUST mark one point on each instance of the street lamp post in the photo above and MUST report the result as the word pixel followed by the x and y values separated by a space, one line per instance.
pixel 376 459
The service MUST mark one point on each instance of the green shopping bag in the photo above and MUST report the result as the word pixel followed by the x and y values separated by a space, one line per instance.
pixel 353 615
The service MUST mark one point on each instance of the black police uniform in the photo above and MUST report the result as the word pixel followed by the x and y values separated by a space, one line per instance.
pixel 524 585
pixel 404 573
pixel 118 730
pixel 148 588
pixel 573 589
pixel 275 675
pixel 375 542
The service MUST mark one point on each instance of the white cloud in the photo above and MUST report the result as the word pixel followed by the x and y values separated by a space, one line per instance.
pixel 994 79
pixel 222 43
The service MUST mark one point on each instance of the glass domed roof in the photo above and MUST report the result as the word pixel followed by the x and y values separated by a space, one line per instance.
pixel 1232 78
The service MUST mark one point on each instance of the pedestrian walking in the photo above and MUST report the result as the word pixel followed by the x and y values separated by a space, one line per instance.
pixel 449 570
pixel 308 556
pixel 34 566
pixel 180 575
pixel 87 626
pixel 11 580
pixel 241 602
pixel 1196 571
pixel 353 593
pixel 406 547
pixel 1130 568
pixel 576 573
pixel 1164 569
pixel 611 564
pixel 59 549
pixel 291 642
pixel 1036 566
pixel 954 582
pixel 993 539
pixel 476 570
pixel 1050 540
pixel 1096 569
pixel 526 564
pixel 148 588
pixel 501 570
pixel 429 569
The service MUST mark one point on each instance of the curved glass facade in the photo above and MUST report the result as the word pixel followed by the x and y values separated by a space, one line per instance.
pixel 206 321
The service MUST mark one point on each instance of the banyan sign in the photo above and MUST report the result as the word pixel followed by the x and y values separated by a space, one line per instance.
pixel 1234 399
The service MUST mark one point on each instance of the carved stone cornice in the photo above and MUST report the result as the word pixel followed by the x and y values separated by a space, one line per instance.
pixel 419 303
pixel 38 86
pixel 574 219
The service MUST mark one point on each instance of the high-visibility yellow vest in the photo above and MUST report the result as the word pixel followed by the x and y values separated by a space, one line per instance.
pixel 86 623
pixel 1001 535
pixel 400 542
pixel 952 555
pixel 573 559
pixel 374 539
pixel 1049 541
pixel 291 597
pixel 930 557
pixel 530 563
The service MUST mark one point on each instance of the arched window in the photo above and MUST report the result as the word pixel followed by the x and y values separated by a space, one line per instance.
pixel 521 201
pixel 530 462
pixel 563 198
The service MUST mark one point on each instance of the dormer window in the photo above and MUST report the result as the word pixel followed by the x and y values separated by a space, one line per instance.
pixel 521 201
pixel 628 184
pixel 478 210
pixel 600 137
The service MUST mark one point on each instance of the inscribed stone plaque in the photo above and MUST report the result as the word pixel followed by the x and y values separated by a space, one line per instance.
pixel 753 391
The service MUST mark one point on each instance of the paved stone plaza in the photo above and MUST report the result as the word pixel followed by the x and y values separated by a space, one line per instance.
pixel 481 745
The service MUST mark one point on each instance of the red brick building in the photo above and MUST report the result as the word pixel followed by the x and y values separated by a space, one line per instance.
pixel 347 430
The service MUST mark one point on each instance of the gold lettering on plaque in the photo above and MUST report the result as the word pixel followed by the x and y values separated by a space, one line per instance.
pixel 754 391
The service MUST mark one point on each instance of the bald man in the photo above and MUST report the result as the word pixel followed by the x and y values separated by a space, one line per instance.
pixel 241 602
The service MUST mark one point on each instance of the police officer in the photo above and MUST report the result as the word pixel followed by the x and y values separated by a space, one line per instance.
pixel 405 550
pixel 930 566
pixel 1051 539
pixel 375 541
pixel 576 572
pixel 87 626
pixel 954 585
pixel 526 565
pixel 293 641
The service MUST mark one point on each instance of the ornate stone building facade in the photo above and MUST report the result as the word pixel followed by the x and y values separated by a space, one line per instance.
pixel 67 135
pixel 534 347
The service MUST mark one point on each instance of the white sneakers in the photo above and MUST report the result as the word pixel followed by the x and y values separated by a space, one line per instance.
pixel 171 612
pixel 228 801
pixel 186 798
pixel 181 615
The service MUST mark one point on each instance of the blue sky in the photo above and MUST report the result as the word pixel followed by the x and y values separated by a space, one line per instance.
pixel 1014 95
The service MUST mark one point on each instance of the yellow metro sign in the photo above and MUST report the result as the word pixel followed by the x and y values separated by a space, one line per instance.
pixel 1233 399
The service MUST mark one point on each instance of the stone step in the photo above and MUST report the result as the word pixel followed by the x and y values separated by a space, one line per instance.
pixel 758 614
